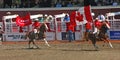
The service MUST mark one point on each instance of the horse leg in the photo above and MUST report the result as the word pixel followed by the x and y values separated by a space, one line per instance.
pixel 46 42
pixel 29 43
pixel 0 40
pixel 94 42
pixel 109 43
pixel 34 43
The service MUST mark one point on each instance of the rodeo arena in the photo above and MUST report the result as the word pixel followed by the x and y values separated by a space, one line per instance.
pixel 62 33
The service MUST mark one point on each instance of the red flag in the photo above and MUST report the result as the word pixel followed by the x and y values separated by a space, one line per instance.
pixel 75 18
pixel 72 18
pixel 79 17
pixel 86 11
pixel 23 21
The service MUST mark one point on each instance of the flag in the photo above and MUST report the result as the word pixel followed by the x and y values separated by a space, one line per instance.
pixel 82 16
pixel 86 11
pixel 72 18
pixel 23 21
pixel 79 17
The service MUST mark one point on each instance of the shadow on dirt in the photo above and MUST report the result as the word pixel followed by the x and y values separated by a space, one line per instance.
pixel 89 50
pixel 79 50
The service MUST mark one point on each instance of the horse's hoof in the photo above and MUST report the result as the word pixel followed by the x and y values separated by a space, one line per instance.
pixel 30 48
pixel 103 45
pixel 37 48
pixel 96 48
pixel 49 46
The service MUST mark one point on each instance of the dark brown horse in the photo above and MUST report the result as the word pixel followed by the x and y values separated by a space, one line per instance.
pixel 103 36
pixel 93 39
pixel 34 36
pixel 41 34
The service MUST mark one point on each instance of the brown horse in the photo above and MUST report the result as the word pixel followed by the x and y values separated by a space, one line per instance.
pixel 31 35
pixel 40 35
pixel 93 39
pixel 103 34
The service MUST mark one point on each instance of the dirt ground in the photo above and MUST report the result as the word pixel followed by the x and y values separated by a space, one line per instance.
pixel 59 51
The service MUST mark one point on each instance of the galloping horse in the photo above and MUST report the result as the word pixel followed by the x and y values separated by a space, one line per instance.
pixel 103 33
pixel 31 36
pixel 93 38
pixel 40 35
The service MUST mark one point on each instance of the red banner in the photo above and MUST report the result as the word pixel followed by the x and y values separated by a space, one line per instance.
pixel 23 21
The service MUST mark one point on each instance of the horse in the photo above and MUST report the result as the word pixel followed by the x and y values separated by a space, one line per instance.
pixel 92 38
pixel 103 34
pixel 32 35
pixel 100 35
pixel 41 33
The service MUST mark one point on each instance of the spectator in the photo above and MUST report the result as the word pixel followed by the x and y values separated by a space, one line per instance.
pixel 41 3
pixel 1 3
pixel 24 4
pixel 114 3
pixel 7 3
pixel 66 18
pixel 41 19
pixel 46 3
pixel 70 30
pixel 58 5
pixel 31 3
pixel 70 4
pixel 16 3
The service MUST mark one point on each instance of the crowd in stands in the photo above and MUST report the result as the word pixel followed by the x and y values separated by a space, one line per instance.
pixel 54 3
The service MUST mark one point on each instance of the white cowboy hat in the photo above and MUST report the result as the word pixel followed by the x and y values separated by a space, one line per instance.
pixel 36 19
pixel 8 13
pixel 45 15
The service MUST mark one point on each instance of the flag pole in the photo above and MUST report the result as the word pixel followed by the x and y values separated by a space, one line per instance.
pixel 55 28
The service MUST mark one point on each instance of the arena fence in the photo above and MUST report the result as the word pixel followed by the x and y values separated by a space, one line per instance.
pixel 57 30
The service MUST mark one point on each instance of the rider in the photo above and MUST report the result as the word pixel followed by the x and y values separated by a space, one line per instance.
pixel 97 23
pixel 36 26
pixel 104 27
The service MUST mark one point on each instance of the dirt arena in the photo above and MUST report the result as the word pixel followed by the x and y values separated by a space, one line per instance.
pixel 59 51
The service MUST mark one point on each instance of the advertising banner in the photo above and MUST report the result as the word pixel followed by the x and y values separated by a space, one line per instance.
pixel 14 37
pixel 114 35
pixel 21 36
